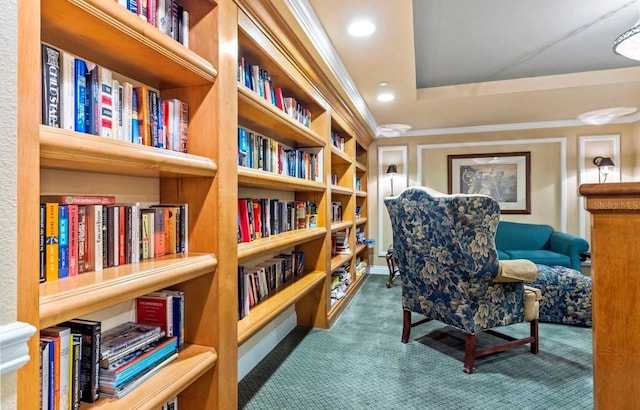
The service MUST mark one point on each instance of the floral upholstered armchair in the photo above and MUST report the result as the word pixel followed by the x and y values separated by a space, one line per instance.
pixel 444 246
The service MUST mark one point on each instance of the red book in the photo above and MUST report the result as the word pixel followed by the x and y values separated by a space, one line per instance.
pixel 122 235
pixel 79 199
pixel 73 239
pixel 257 217
pixel 243 220
pixel 156 309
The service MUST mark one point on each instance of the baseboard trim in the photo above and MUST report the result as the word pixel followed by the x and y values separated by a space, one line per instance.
pixel 265 340
pixel 379 270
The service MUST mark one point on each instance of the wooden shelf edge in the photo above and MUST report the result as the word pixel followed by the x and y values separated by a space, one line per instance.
pixel 361 194
pixel 339 306
pixel 251 100
pixel 340 190
pixel 76 296
pixel 341 155
pixel 248 250
pixel 360 166
pixel 268 309
pixel 66 149
pixel 360 248
pixel 337 226
pixel 340 260
pixel 360 221
pixel 192 362
pixel 110 20
pixel 254 177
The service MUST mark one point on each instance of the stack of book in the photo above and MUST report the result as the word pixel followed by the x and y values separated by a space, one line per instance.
pixel 125 374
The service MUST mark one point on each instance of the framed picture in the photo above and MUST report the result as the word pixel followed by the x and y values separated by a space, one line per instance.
pixel 504 176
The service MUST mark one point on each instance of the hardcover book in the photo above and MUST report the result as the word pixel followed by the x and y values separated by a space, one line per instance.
pixel 80 95
pixel 67 92
pixel 126 338
pixel 63 241
pixel 51 74
pixel 62 369
pixel 79 199
pixel 156 309
pixel 51 241
pixel 91 332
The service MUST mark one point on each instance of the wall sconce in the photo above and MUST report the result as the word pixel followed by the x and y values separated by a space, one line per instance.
pixel 391 171
pixel 605 167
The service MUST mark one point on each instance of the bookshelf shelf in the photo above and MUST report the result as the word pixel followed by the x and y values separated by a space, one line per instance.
pixel 72 297
pixel 261 116
pixel 361 194
pixel 360 248
pixel 106 33
pixel 339 157
pixel 340 190
pixel 336 226
pixel 258 178
pixel 277 243
pixel 360 167
pixel 338 307
pixel 268 309
pixel 361 221
pixel 340 260
pixel 63 149
pixel 193 361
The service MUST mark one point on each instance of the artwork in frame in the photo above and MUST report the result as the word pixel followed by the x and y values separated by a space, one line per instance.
pixel 504 176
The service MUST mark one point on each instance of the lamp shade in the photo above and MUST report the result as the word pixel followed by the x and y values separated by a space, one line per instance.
pixel 628 43
pixel 601 162
pixel 392 169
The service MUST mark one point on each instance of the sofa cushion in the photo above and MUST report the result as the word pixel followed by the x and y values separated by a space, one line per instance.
pixel 514 235
pixel 540 256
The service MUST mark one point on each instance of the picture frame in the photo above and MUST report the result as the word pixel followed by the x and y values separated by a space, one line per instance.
pixel 505 176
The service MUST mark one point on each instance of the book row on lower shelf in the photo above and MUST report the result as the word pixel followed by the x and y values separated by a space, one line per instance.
pixel 340 282
pixel 81 362
pixel 260 218
pixel 81 96
pixel 80 234
pixel 262 153
pixel 257 282
pixel 168 16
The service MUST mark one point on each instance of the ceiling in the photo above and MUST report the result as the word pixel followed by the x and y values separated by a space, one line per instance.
pixel 460 65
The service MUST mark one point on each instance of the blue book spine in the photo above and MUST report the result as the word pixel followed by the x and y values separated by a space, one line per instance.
pixel 80 94
pixel 132 6
pixel 135 130
pixel 63 241
pixel 161 130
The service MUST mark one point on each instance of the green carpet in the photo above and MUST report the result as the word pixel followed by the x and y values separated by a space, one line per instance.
pixel 360 363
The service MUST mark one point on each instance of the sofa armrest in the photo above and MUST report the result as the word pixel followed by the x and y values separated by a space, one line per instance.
pixel 569 245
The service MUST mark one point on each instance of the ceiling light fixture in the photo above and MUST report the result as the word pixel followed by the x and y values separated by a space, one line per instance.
pixel 628 43
pixel 605 115
pixel 361 28
pixel 385 97
pixel 383 83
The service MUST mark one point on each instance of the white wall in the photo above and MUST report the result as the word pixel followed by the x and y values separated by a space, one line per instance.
pixel 8 158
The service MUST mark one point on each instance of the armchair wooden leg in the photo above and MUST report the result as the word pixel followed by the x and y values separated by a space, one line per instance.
pixel 469 353
pixel 406 325
pixel 534 333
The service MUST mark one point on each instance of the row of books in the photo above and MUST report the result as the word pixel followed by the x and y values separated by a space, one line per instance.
pixel 259 152
pixel 257 282
pixel 81 96
pixel 260 218
pixel 340 282
pixel 259 81
pixel 80 234
pixel 336 211
pixel 337 140
pixel 79 362
pixel 168 16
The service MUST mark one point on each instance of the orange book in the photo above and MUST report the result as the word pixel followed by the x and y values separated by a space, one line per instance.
pixel 144 120
pixel 51 240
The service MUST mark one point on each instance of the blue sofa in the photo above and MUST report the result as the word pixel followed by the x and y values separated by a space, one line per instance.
pixel 541 244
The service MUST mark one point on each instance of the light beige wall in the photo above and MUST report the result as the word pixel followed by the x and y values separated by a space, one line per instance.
pixel 8 158
pixel 554 169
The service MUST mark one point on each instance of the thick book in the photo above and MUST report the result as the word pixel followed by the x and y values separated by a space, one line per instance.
pixel 67 92
pixel 80 95
pixel 51 241
pixel 121 340
pixel 79 199
pixel 45 375
pixel 91 332
pixel 76 356
pixel 156 309
pixel 51 77
pixel 123 391
pixel 72 229
pixel 105 102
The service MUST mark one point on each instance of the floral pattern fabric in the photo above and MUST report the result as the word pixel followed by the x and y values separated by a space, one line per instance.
pixel 445 249
pixel 566 295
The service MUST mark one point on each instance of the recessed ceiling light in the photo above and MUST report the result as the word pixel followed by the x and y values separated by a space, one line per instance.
pixel 385 97
pixel 361 28
pixel 383 83
pixel 605 115
pixel 392 130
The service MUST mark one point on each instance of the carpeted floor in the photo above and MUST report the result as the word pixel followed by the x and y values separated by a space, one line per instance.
pixel 360 363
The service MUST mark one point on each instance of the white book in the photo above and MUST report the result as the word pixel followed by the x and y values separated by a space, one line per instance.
pixel 115 116
pixel 127 92
pixel 67 96
pixel 161 13
pixel 105 102
pixel 185 28
pixel 44 380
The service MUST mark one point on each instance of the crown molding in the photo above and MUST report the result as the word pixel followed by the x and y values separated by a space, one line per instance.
pixel 308 20
pixel 14 351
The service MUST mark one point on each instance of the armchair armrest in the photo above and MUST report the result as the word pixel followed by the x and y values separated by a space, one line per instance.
pixel 516 270
pixel 569 245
